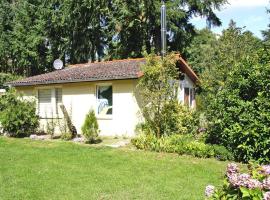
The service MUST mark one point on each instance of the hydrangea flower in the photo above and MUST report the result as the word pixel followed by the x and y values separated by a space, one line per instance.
pixel 254 183
pixel 209 190
pixel 233 180
pixel 232 168
pixel 265 169
pixel 266 183
pixel 266 196
pixel 243 180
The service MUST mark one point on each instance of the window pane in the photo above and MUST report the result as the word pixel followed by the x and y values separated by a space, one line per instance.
pixel 105 101
pixel 44 96
pixel 44 103
pixel 58 98
pixel 191 96
pixel 58 95
pixel 186 97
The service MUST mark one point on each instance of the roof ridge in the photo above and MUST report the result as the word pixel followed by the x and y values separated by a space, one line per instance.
pixel 107 61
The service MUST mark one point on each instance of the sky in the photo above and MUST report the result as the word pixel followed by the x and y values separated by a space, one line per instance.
pixel 250 14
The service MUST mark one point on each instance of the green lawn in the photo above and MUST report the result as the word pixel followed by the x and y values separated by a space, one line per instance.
pixel 63 170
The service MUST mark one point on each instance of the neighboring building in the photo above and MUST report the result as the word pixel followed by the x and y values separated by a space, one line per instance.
pixel 2 91
pixel 106 87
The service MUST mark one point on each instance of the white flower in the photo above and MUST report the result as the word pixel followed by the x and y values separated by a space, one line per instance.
pixel 266 196
pixel 209 190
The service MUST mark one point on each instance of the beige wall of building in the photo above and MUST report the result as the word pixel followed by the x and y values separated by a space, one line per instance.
pixel 79 98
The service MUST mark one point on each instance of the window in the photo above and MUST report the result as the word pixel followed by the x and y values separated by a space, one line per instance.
pixel 44 103
pixel 49 102
pixel 189 96
pixel 192 96
pixel 58 99
pixel 104 100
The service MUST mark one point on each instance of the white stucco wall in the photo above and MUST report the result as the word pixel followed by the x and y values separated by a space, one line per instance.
pixel 79 98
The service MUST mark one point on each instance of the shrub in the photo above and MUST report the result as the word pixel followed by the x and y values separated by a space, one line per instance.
pixel 199 149
pixel 157 90
pixel 90 128
pixel 66 136
pixel 177 119
pixel 239 115
pixel 181 144
pixel 221 153
pixel 17 117
pixel 64 130
pixel 252 185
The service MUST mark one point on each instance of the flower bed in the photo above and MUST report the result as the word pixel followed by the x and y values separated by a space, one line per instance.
pixel 252 185
pixel 181 144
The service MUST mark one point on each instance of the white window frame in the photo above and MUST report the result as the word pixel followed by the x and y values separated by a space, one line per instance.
pixel 58 111
pixel 39 110
pixel 191 96
pixel 107 116
pixel 54 106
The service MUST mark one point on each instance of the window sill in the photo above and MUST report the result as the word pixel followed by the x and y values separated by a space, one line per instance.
pixel 50 117
pixel 104 117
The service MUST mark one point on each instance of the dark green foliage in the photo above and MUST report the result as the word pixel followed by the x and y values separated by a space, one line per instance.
pixel 239 115
pixel 181 144
pixel 17 117
pixel 234 45
pixel 4 78
pixel 234 91
pixel 35 33
pixel 201 50
pixel 90 128
pixel 137 24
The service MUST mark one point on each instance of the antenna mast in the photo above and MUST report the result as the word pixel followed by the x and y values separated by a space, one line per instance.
pixel 163 29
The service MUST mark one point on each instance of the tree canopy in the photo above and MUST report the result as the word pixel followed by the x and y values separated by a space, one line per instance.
pixel 35 32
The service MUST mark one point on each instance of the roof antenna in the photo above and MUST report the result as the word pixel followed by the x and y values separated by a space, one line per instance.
pixel 163 29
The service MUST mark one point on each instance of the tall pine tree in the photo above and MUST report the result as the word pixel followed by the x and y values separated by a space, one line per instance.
pixel 36 32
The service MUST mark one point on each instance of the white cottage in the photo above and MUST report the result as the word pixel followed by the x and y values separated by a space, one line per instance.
pixel 106 87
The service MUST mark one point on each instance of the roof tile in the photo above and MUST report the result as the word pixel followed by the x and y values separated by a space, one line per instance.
pixel 99 71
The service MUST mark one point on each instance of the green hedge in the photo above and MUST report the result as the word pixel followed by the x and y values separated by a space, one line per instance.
pixel 181 144
pixel 239 115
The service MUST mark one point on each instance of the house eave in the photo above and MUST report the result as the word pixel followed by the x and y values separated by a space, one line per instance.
pixel 68 81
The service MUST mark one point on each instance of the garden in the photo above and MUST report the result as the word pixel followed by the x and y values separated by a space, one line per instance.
pixel 178 151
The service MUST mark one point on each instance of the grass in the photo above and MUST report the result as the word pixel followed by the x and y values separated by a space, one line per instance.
pixel 64 170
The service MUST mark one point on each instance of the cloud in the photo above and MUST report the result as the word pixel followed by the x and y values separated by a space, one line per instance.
pixel 248 3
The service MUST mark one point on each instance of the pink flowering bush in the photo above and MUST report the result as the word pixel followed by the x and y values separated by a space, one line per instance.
pixel 252 185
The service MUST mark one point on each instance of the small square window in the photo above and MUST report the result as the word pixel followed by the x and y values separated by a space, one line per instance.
pixel 104 100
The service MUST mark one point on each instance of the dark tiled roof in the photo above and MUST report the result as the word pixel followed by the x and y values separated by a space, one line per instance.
pixel 109 70
pixel 100 71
